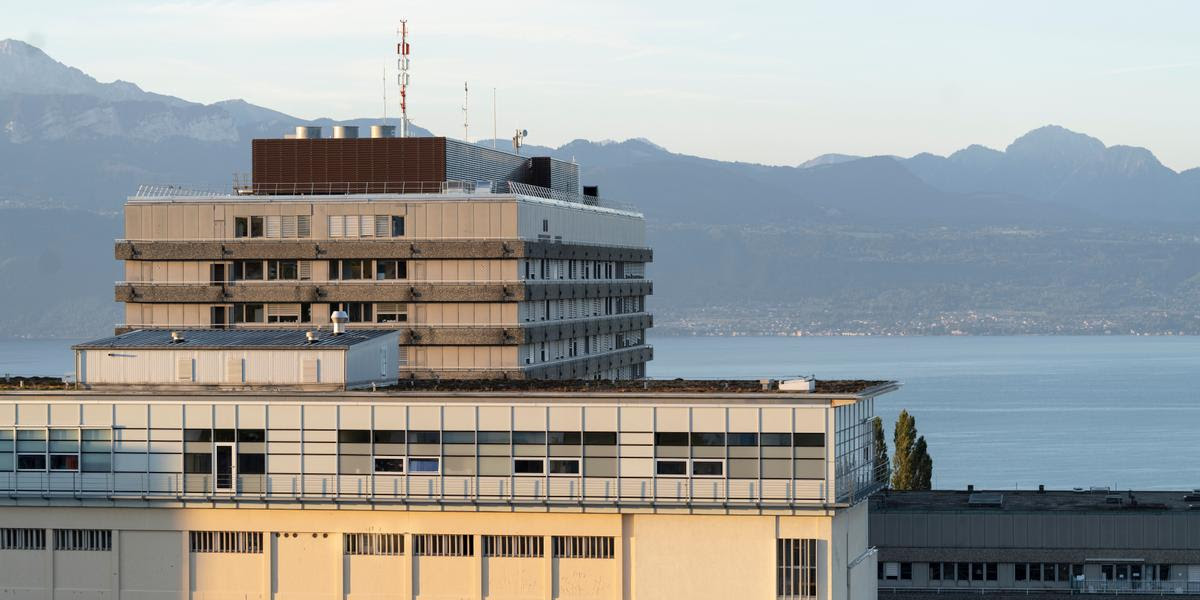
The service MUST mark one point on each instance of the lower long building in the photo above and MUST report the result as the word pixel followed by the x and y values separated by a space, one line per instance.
pixel 1036 544
pixel 453 489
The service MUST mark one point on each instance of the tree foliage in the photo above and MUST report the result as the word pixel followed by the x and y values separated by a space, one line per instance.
pixel 882 462
pixel 912 468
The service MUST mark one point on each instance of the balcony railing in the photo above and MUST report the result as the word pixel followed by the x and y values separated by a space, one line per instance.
pixel 416 489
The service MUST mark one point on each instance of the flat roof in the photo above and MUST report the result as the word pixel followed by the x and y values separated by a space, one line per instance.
pixel 654 386
pixel 1084 500
pixel 218 339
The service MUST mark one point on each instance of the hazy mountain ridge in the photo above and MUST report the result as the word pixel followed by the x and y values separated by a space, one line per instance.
pixel 1065 233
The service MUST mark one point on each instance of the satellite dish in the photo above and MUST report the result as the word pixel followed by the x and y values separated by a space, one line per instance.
pixel 524 132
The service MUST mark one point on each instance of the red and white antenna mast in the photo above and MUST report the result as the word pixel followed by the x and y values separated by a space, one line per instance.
pixel 402 76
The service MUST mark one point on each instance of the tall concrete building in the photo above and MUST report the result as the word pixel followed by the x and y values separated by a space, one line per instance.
pixel 439 489
pixel 490 264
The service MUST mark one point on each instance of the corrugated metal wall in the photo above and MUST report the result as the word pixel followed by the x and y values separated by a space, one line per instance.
pixel 1050 529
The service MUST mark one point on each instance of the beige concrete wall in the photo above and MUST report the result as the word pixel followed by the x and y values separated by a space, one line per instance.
pixel 211 367
pixel 655 555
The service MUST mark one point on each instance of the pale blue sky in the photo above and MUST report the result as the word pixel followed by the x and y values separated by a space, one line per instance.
pixel 776 83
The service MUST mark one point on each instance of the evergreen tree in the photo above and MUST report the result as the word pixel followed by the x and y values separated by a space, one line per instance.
pixel 903 438
pixel 881 454
pixel 922 465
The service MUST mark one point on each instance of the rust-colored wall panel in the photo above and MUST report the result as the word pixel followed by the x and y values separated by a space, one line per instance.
pixel 282 165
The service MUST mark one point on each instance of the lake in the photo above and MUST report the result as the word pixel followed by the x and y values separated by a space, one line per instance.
pixel 998 412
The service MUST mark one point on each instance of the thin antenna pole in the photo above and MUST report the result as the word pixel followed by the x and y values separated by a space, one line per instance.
pixel 466 138
pixel 402 76
pixel 493 118
pixel 385 94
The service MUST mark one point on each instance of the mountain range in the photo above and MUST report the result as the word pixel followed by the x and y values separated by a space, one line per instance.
pixel 73 148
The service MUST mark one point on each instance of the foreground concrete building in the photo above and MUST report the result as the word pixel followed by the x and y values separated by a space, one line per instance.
pixel 959 544
pixel 490 264
pixel 469 489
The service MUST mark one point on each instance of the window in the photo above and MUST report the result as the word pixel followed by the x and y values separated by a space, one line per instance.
pixel 388 436
pixel 241 227
pixel 1021 571
pixel 386 464
pixel 251 463
pixel 458 437
pixel 354 436
pixel 977 571
pixel 224 435
pixel 251 435
pixel 545 225
pixel 775 439
pixel 424 437
pixel 373 544
pixel 582 546
pixel 513 546
pixel 528 466
pixel 283 270
pixel 1106 572
pixel 249 313
pixel 742 439
pixel 197 435
pixel 935 572
pixel 808 440
pixel 564 438
pixel 564 466
pixel 391 269
pixel 427 544
pixel 671 467
pixel 359 312
pixel 906 571
pixel 708 468
pixel 226 542
pixel 796 569
pixel 397 226
pixel 600 438
pixel 197 463
pixel 12 538
pixel 493 437
pixel 423 465
pixel 350 269
pixel 529 437
pixel 670 439
pixel 992 571
pixel 96 540
pixel 708 439
pixel 256 227
pixel 64 462
pixel 391 312
pixel 964 571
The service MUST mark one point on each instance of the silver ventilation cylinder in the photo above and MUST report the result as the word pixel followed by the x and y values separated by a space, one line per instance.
pixel 305 132
pixel 339 319
pixel 383 131
pixel 342 132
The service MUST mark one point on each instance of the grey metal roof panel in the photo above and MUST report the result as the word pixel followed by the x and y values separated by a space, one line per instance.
pixel 232 338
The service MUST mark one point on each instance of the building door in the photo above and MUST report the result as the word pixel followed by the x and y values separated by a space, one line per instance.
pixel 226 470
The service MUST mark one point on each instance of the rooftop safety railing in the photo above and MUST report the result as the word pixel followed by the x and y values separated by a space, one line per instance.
pixel 343 188
pixel 1108 587
pixel 416 488
pixel 398 282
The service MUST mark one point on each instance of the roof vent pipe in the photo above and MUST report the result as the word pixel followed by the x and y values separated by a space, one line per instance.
pixel 305 132
pixel 345 132
pixel 339 318
pixel 176 337
pixel 383 131
pixel 311 336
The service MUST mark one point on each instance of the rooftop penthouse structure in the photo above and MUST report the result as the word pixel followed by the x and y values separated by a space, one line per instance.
pixel 488 263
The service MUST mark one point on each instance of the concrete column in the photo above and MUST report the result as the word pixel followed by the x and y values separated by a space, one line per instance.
pixel 478 542
pixel 49 564
pixel 409 562
pixel 269 542
pixel 341 565
pixel 548 566
pixel 116 564
pixel 185 566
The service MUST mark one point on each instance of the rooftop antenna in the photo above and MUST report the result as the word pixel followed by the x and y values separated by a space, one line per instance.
pixel 466 138
pixel 494 118
pixel 385 94
pixel 402 76
pixel 519 139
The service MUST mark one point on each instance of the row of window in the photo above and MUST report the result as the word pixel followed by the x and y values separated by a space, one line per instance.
pixel 360 226
pixel 64 539
pixel 424 544
pixel 989 571
pixel 549 268
pixel 272 226
pixel 538 438
pixel 359 312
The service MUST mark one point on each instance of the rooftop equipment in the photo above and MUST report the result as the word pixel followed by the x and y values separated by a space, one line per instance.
pixel 305 132
pixel 339 318
pixel 383 131
pixel 345 132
